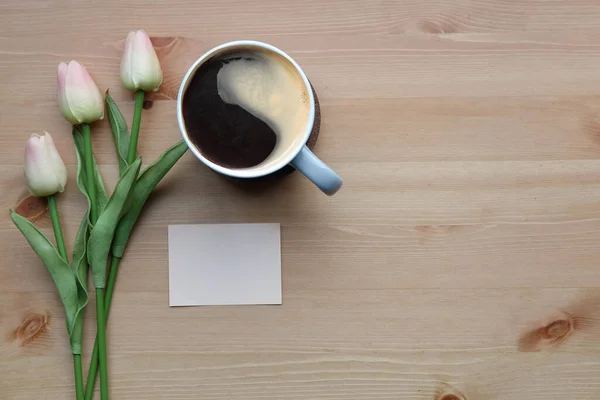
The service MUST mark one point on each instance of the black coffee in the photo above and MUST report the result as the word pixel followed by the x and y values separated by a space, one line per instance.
pixel 242 107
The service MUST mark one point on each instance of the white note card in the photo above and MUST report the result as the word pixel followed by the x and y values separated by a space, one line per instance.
pixel 224 264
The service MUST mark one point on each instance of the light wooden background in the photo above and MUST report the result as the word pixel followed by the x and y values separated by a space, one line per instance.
pixel 459 260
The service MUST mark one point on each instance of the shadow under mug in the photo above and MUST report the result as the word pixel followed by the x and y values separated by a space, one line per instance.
pixel 300 156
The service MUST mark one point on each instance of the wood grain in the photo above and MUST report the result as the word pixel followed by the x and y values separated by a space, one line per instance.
pixel 458 262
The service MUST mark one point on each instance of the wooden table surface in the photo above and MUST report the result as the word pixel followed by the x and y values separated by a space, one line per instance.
pixel 459 260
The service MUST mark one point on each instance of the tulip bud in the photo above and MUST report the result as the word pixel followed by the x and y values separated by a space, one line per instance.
pixel 45 171
pixel 79 98
pixel 140 68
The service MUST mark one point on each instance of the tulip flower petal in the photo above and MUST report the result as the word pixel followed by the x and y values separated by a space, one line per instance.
pixel 83 96
pixel 62 98
pixel 45 171
pixel 126 62
pixel 60 170
pixel 146 70
pixel 140 67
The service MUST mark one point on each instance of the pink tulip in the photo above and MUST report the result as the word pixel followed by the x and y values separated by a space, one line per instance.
pixel 45 171
pixel 140 68
pixel 79 98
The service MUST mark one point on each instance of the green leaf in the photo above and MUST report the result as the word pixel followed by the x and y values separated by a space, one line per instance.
pixel 120 132
pixel 59 269
pixel 102 196
pixel 80 265
pixel 80 271
pixel 148 180
pixel 102 233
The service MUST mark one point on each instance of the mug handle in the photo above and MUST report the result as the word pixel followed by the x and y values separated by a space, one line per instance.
pixel 317 171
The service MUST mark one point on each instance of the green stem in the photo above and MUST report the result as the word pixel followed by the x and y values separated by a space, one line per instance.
pixel 110 287
pixel 78 376
pixel 135 126
pixel 101 323
pixel 93 371
pixel 58 235
pixel 89 166
pixel 91 187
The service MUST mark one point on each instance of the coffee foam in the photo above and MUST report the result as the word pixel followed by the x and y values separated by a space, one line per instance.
pixel 267 86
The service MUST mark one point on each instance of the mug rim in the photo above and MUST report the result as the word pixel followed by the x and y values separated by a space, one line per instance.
pixel 250 172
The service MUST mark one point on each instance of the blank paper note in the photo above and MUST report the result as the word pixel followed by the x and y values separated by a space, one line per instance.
pixel 224 264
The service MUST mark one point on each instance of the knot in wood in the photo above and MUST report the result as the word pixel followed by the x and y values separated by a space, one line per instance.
pixel 31 207
pixel 32 327
pixel 557 330
pixel 451 397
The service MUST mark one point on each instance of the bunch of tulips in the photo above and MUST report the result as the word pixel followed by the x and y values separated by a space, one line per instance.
pixel 107 224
